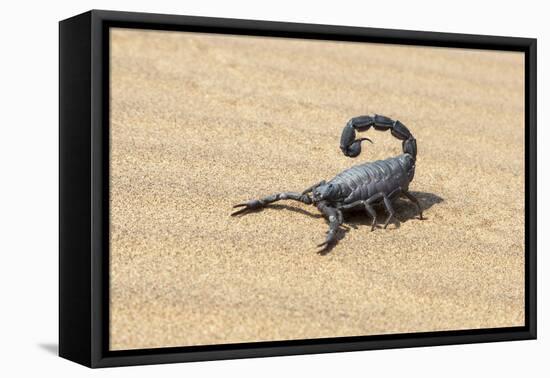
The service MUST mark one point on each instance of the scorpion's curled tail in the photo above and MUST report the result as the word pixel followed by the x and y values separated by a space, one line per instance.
pixel 351 146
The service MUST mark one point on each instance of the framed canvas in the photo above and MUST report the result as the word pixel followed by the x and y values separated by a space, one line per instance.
pixel 234 188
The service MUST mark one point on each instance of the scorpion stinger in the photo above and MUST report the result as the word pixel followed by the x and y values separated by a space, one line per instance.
pixel 351 147
pixel 361 186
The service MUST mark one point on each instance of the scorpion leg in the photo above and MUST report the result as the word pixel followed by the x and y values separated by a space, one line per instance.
pixel 414 200
pixel 335 219
pixel 372 213
pixel 370 210
pixel 389 208
pixel 352 205
pixel 260 203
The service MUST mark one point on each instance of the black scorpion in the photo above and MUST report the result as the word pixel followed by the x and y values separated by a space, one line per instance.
pixel 363 185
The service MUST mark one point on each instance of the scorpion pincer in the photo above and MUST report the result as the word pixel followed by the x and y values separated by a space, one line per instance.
pixel 361 186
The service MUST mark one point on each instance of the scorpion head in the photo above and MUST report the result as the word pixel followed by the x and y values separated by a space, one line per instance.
pixel 325 192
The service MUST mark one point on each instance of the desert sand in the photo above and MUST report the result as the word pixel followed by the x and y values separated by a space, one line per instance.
pixel 201 122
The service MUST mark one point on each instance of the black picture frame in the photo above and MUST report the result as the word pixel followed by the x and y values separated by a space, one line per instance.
pixel 83 182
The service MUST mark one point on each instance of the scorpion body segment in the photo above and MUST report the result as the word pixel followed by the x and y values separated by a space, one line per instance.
pixel 363 185
pixel 383 176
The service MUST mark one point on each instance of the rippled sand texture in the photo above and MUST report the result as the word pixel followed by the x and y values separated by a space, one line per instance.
pixel 202 122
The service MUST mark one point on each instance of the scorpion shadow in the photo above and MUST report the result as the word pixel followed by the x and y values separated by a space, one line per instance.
pixel 404 211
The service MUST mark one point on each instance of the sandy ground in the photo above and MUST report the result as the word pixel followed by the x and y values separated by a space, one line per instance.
pixel 201 122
